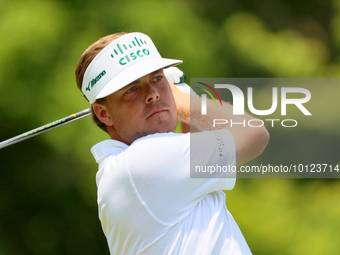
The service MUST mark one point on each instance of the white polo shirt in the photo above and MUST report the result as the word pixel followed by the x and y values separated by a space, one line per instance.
pixel 148 204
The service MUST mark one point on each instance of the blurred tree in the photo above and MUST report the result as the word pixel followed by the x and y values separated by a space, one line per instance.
pixel 47 189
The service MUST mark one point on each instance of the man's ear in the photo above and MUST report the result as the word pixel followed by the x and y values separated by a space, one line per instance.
pixel 102 114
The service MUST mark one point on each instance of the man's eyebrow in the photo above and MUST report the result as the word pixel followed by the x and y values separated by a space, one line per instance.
pixel 138 80
pixel 157 71
pixel 134 82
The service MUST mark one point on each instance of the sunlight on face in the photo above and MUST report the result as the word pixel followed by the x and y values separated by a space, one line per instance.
pixel 144 107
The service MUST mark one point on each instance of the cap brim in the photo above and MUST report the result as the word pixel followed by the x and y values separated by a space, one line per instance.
pixel 135 72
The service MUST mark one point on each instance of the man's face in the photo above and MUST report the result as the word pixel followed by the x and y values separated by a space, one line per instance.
pixel 144 107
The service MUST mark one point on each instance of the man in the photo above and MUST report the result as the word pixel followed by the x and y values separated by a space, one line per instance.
pixel 148 204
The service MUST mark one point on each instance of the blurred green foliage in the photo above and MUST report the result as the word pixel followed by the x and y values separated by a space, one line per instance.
pixel 47 188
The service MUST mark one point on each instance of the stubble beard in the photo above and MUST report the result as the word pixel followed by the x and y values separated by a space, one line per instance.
pixel 140 134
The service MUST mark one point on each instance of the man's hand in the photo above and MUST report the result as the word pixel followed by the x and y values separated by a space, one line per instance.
pixel 183 104
pixel 183 107
pixel 181 91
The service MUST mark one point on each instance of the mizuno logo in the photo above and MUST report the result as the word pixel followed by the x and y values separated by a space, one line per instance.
pixel 95 80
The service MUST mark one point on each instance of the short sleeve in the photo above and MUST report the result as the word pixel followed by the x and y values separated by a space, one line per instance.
pixel 212 155
pixel 161 168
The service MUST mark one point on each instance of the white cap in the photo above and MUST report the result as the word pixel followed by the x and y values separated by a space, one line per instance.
pixel 123 61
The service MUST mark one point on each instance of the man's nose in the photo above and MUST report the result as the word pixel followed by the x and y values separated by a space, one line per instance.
pixel 151 93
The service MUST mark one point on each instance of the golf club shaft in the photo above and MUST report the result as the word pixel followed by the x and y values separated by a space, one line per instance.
pixel 45 128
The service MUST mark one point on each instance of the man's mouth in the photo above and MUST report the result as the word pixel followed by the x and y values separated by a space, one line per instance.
pixel 157 112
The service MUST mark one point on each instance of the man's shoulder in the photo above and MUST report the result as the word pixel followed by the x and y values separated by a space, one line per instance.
pixel 153 141
pixel 107 147
pixel 159 137
pixel 159 144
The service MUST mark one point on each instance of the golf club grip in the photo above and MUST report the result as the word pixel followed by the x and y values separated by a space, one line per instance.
pixel 45 128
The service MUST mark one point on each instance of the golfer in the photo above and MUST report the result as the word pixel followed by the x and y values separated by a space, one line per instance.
pixel 148 203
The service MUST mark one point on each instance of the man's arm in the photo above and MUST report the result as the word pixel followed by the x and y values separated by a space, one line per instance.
pixel 249 141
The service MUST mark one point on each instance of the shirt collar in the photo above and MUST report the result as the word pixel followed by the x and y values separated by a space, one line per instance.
pixel 103 149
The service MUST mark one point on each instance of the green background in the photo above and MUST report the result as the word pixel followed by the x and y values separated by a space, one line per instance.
pixel 47 184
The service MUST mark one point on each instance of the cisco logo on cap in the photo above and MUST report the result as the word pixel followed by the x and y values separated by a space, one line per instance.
pixel 133 55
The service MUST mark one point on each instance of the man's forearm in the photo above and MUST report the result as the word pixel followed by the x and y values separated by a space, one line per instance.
pixel 249 141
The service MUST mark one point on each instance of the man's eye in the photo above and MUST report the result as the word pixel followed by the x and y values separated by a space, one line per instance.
pixel 157 78
pixel 132 89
